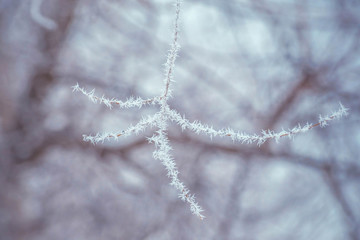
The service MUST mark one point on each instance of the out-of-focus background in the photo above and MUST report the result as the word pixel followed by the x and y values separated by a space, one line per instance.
pixel 249 65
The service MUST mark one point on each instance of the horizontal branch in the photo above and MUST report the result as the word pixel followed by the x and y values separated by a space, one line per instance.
pixel 198 128
pixel 130 102
pixel 139 127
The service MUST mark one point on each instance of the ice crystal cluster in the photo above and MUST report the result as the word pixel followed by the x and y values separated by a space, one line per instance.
pixel 160 121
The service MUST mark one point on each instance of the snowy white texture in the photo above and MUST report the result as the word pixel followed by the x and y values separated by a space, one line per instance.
pixel 172 54
pixel 324 121
pixel 163 154
pixel 242 137
pixel 129 103
pixel 149 121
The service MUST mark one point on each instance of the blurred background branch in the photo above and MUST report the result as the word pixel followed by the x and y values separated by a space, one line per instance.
pixel 248 65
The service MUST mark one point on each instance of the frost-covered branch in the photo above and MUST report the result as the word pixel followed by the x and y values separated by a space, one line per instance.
pixel 129 103
pixel 163 154
pixel 324 121
pixel 160 119
pixel 172 54
pixel 160 139
pixel 149 121
pixel 242 137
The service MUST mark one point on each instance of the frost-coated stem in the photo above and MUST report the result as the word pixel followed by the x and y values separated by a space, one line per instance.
pixel 171 58
pixel 131 102
pixel 198 128
pixel 160 139
pixel 163 154
pixel 139 127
